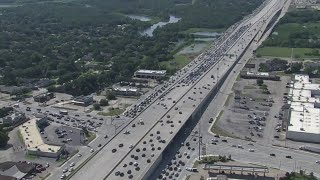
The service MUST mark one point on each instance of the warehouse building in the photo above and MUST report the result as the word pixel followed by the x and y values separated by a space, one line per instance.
pixel 34 143
pixel 305 110
pixel 122 91
pixel 83 100
pixel 152 74
pixel 259 75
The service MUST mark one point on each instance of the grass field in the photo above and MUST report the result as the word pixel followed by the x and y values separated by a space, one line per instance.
pixel 285 52
pixel 285 30
pixel 112 112
pixel 178 62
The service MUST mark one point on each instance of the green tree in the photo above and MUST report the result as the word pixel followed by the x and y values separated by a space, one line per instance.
pixel 85 131
pixel 296 67
pixel 111 96
pixel 259 82
pixel 104 102
pixel 4 138
pixel 42 123
pixel 96 106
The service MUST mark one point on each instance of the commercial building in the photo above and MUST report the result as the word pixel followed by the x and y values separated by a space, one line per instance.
pixel 153 74
pixel 44 97
pixel 259 75
pixel 15 170
pixel 123 91
pixel 83 100
pixel 13 119
pixel 305 110
pixel 34 142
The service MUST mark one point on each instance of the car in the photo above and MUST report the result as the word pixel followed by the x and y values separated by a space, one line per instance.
pixel 65 170
pixel 91 150
pixel 114 150
pixel 79 155
pixel 120 145
pixel 191 169
pixel 63 176
pixel 71 169
pixel 72 164
pixel 289 157
pixel 272 154
pixel 106 136
pixel 224 140
pixel 99 145
pixel 211 120
pixel 318 162
pixel 251 150
pixel 276 137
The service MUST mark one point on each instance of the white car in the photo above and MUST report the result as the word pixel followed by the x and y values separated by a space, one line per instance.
pixel 79 155
pixel 71 169
pixel 318 162
pixel 65 170
pixel 91 150
pixel 62 176
pixel 72 164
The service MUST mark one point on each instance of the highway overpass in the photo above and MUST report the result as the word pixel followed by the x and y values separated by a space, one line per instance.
pixel 138 148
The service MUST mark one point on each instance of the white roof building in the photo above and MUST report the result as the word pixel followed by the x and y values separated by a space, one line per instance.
pixel 305 110
pixel 144 73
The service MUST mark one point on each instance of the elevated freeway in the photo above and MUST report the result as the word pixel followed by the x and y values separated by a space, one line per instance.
pixel 138 148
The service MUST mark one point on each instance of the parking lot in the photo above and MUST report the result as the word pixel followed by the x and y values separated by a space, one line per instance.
pixel 255 113
pixel 63 135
